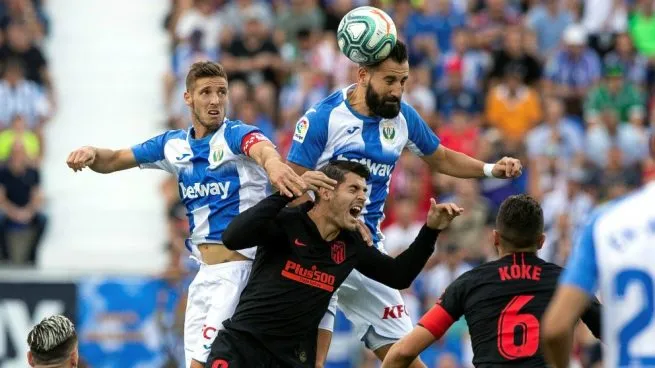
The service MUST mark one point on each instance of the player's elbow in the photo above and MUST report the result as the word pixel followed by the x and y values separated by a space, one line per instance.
pixel 401 354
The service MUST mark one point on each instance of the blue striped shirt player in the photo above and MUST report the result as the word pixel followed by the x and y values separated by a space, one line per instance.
pixel 217 179
pixel 369 123
pixel 222 167
pixel 613 256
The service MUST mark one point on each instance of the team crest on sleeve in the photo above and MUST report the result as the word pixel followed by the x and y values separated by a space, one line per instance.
pixel 338 252
pixel 388 130
pixel 302 126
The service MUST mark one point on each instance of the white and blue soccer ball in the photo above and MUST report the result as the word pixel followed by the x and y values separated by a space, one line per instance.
pixel 366 35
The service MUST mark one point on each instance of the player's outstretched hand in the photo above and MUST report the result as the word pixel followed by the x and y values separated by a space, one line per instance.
pixel 81 158
pixel 507 167
pixel 285 179
pixel 317 179
pixel 440 215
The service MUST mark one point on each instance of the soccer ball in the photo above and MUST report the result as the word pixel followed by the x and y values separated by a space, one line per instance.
pixel 366 35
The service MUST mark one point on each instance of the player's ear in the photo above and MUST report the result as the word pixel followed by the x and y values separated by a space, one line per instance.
pixel 541 240
pixel 188 99
pixel 75 357
pixel 362 75
pixel 325 194
pixel 30 359
pixel 496 236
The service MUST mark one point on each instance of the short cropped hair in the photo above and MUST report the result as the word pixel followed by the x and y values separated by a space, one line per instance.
pixel 398 54
pixel 338 169
pixel 520 221
pixel 53 340
pixel 204 69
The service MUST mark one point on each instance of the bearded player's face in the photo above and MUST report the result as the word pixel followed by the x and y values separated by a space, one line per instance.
pixel 208 101
pixel 385 88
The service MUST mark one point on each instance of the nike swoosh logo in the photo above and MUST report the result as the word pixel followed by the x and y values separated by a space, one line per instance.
pixel 182 156
pixel 352 130
pixel 299 244
pixel 311 110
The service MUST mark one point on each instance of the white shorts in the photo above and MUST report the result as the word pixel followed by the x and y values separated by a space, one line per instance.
pixel 213 296
pixel 378 312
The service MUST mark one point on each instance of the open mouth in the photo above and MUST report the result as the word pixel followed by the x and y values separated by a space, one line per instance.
pixel 214 112
pixel 355 211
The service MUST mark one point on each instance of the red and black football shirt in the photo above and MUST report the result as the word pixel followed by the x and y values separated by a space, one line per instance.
pixel 503 302
pixel 295 273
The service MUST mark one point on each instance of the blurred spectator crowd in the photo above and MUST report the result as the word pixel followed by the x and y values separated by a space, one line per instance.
pixel 564 85
pixel 27 102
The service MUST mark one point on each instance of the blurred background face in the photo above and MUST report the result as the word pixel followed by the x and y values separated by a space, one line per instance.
pixel 624 44
pixel 405 209
pixel 513 41
pixel 254 28
pixel 18 157
pixel 610 119
pixel 554 110
pixel 614 83
pixel 460 41
pixel 575 50
pixel 18 37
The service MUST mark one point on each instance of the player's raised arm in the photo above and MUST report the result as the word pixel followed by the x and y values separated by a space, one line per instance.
pixel 280 174
pixel 149 154
pixel 256 225
pixel 101 160
pixel 399 272
pixel 460 165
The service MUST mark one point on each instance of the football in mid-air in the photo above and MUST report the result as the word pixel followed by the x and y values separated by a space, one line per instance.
pixel 366 35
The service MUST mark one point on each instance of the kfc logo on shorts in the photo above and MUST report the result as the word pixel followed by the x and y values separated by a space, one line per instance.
pixel 338 252
pixel 395 311
pixel 208 333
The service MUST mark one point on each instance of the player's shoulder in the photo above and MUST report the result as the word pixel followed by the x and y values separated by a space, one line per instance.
pixel 321 111
pixel 176 134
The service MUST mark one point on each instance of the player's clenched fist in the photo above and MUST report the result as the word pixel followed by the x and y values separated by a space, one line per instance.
pixel 285 179
pixel 440 215
pixel 81 158
pixel 507 167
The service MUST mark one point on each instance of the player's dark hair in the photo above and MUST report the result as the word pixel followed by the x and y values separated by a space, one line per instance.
pixel 398 54
pixel 520 221
pixel 204 69
pixel 52 341
pixel 338 169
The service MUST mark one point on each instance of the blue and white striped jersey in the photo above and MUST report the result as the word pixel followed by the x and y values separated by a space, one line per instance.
pixel 332 130
pixel 616 253
pixel 216 178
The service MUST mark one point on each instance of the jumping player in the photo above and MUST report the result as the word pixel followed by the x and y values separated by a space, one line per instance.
pixel 304 254
pixel 368 123
pixel 502 301
pixel 614 254
pixel 222 167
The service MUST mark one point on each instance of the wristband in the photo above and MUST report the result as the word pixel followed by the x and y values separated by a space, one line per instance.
pixel 488 170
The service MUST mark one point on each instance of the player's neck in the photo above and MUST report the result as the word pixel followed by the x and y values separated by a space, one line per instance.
pixel 328 229
pixel 200 131
pixel 509 252
pixel 357 101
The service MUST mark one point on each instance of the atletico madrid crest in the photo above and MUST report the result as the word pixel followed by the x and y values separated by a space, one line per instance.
pixel 338 252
